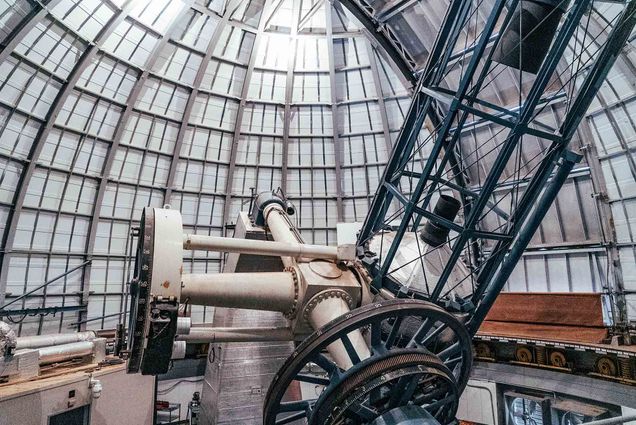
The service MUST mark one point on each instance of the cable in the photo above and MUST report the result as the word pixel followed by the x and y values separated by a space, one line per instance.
pixel 173 386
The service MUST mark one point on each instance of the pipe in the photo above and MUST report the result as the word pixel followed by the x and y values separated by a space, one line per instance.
pixel 282 229
pixel 269 248
pixel 212 335
pixel 271 291
pixel 279 225
pixel 324 312
pixel 38 341
pixel 60 353
pixel 612 421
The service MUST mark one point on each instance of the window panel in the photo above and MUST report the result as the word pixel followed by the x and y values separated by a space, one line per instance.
pixel 224 78
pixel 131 42
pixel 349 52
pixel 207 144
pixel 109 78
pixel 126 202
pixel 53 47
pixel 313 87
pixel 214 111
pixel 201 210
pixel 90 115
pixel 201 177
pixel 312 54
pixel 235 45
pixel 74 152
pixel 259 150
pixel 10 172
pixel 178 63
pixel 87 17
pixel 163 98
pixel 111 238
pixel 267 85
pixel 12 12
pixel 17 132
pixel 58 191
pixel 134 166
pixel 149 132
pixel 249 12
pixel 157 14
pixel 311 120
pixel 360 117
pixel 71 234
pixel 270 55
pixel 263 118
pixel 24 87
pixel 355 85
pixel 196 29
pixel 42 231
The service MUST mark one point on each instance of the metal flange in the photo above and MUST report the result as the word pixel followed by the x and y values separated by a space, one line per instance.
pixel 321 296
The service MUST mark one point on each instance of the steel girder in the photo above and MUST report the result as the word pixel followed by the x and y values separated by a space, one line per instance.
pixel 384 36
pixel 488 277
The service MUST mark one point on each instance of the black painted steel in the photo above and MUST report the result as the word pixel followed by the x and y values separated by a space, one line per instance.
pixel 140 290
pixel 527 39
pixel 435 233
pixel 419 354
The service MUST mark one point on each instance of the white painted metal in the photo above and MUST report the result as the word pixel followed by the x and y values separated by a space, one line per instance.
pixel 287 249
pixel 279 225
pixel 59 353
pixel 613 421
pixel 212 334
pixel 324 312
pixel 167 253
pixel 183 325
pixel 272 291
pixel 281 229
pixel 178 350
pixel 38 341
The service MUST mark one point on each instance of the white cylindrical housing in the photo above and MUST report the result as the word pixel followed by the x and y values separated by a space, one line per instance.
pixel 183 325
pixel 272 291
pixel 282 229
pixel 280 226
pixel 60 353
pixel 178 350
pixel 38 341
pixel 325 312
pixel 211 335
pixel 246 246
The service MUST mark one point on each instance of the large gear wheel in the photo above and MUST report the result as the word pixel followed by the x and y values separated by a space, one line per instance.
pixel 429 368
pixel 375 384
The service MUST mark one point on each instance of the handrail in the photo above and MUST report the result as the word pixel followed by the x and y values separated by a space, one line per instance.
pixel 47 283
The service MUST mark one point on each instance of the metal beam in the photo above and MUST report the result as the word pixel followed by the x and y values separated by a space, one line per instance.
pixel 121 126
pixel 390 9
pixel 183 127
pixel 420 107
pixel 490 277
pixel 310 14
pixel 385 37
pixel 37 14
pixel 378 87
pixel 38 143
pixel 266 15
pixel 334 116
pixel 568 161
pixel 289 90
pixel 42 310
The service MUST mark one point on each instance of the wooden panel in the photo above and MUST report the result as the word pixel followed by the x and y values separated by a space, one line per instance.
pixel 564 309
pixel 544 332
